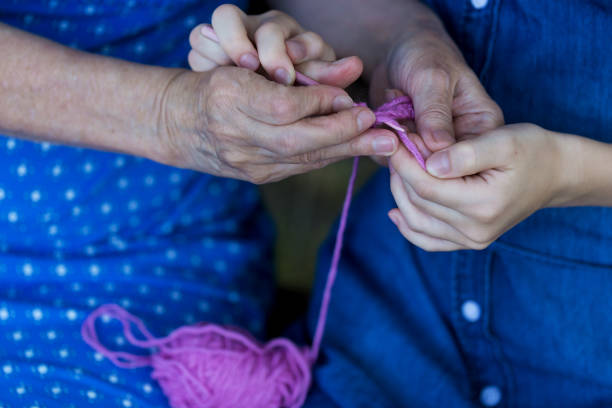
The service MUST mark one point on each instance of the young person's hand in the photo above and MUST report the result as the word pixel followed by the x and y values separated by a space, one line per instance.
pixel 477 189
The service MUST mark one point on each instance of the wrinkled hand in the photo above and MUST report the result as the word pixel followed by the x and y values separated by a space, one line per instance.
pixel 484 186
pixel 273 40
pixel 449 101
pixel 232 122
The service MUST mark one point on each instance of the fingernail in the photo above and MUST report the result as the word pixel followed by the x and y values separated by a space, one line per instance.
pixel 297 50
pixel 392 217
pixel 249 61
pixel 282 75
pixel 342 102
pixel 391 94
pixel 208 32
pixel 384 145
pixel 439 164
pixel 340 61
pixel 442 137
pixel 365 119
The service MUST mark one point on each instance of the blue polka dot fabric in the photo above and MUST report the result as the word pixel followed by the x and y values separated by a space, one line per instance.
pixel 80 228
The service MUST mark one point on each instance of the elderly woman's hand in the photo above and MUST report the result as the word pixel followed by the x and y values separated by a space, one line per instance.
pixel 274 40
pixel 450 103
pixel 233 122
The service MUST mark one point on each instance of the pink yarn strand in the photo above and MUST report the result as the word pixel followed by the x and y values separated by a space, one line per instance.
pixel 208 366
pixel 333 269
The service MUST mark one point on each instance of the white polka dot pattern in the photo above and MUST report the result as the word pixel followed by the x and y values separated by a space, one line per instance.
pixel 81 228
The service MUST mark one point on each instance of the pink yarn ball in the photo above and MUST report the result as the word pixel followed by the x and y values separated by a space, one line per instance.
pixel 209 366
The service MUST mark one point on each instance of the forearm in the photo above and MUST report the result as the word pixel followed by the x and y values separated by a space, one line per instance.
pixel 586 172
pixel 54 93
pixel 364 28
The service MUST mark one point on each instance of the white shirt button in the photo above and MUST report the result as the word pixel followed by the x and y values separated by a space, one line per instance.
pixel 490 396
pixel 470 311
pixel 479 4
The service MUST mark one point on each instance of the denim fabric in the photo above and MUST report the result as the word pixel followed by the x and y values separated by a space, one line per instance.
pixel 524 323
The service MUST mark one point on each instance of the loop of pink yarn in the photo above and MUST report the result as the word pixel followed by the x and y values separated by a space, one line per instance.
pixel 209 366
pixel 206 366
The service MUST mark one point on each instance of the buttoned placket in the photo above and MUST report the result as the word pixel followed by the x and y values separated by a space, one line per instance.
pixel 490 376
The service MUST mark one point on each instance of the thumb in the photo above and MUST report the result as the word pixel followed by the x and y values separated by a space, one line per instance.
pixel 433 99
pixel 469 157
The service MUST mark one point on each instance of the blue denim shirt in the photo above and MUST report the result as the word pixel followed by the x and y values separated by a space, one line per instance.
pixel 524 323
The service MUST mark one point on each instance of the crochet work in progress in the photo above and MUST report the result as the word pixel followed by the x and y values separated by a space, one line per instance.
pixel 209 366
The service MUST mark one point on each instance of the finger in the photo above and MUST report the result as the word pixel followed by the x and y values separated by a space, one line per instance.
pixel 445 214
pixel 340 73
pixel 199 63
pixel 458 193
pixel 208 48
pixel 309 46
pixel 432 97
pixel 423 241
pixel 422 221
pixel 315 133
pixel 270 39
pixel 230 26
pixel 489 151
pixel 475 111
pixel 371 143
pixel 276 104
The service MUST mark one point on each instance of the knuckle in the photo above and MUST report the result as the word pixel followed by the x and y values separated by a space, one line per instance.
pixel 192 60
pixel 283 108
pixel 335 127
pixel 479 246
pixel 221 88
pixel 310 157
pixel 225 11
pixel 436 112
pixel 465 154
pixel 414 222
pixel 258 178
pixel 434 77
pixel 423 189
pixel 496 116
pixel 360 147
pixel 193 36
pixel 285 145
pixel 232 158
pixel 487 213
pixel 315 42
pixel 271 15
pixel 488 120
pixel 267 29
pixel 480 237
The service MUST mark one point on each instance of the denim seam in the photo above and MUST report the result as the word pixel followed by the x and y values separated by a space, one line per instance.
pixel 550 259
pixel 492 41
